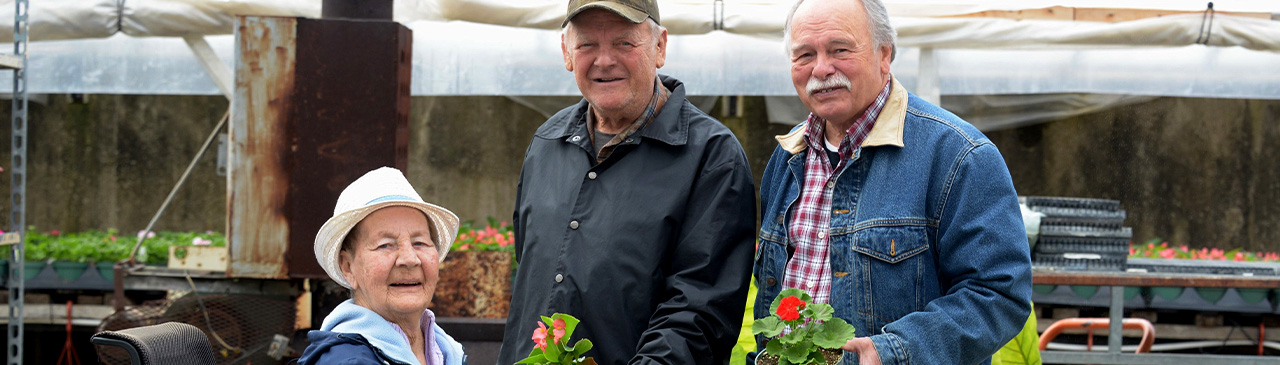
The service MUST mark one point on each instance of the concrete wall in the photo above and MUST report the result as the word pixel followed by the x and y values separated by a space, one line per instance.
pixel 1200 172
pixel 1196 172
pixel 108 161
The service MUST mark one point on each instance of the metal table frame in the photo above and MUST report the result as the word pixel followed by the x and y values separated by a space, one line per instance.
pixel 1118 281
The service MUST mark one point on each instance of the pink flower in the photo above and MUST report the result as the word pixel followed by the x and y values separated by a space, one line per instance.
pixel 113 238
pixel 1132 251
pixel 1239 257
pixel 148 234
pixel 540 336
pixel 201 242
pixel 57 232
pixel 558 333
pixel 1217 254
pixel 1168 254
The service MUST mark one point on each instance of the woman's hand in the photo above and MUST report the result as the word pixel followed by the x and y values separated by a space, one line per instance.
pixel 866 351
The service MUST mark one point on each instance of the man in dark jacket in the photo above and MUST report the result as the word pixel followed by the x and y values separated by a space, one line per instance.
pixel 635 210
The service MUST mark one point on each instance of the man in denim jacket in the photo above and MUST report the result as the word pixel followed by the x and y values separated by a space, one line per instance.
pixel 899 214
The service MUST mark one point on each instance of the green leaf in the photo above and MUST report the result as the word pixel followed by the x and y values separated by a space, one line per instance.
pixel 580 348
pixel 798 353
pixel 773 347
pixel 553 354
pixel 1024 349
pixel 795 336
pixel 820 311
pixel 833 333
pixel 767 326
pixel 815 357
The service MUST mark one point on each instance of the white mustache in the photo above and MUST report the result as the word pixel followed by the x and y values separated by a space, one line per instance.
pixel 836 80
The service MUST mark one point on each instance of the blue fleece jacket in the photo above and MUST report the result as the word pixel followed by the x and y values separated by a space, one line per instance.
pixel 352 334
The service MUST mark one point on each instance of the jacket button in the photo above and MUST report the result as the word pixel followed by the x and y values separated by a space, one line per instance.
pixel 573 224
pixel 591 175
pixel 771 281
pixel 575 138
pixel 559 278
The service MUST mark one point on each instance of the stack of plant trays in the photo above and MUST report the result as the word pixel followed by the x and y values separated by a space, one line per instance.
pixel 1080 234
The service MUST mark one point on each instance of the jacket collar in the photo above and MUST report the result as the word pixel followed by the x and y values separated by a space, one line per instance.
pixel 667 127
pixel 886 132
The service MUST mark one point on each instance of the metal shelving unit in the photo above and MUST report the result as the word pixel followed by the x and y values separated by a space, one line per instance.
pixel 18 182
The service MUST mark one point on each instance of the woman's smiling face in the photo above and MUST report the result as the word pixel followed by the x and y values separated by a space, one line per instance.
pixel 392 264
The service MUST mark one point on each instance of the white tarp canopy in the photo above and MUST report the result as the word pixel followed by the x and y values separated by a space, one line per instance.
pixel 502 47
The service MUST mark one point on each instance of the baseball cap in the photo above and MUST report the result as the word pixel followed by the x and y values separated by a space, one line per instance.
pixel 634 10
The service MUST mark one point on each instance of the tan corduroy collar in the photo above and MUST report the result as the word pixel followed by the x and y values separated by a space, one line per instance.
pixel 886 132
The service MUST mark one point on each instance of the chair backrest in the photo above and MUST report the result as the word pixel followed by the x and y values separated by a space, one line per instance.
pixel 165 343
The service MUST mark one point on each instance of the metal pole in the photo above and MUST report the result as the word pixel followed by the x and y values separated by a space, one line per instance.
pixel 18 185
pixel 1115 334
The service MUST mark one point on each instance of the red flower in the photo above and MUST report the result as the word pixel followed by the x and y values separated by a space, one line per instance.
pixel 558 333
pixel 540 336
pixel 789 309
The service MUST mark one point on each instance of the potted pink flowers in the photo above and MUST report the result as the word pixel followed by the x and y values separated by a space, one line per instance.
pixel 803 332
pixel 551 345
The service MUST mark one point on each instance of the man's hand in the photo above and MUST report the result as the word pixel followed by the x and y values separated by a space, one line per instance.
pixel 866 351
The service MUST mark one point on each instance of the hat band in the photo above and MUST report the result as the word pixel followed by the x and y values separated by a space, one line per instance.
pixel 391 198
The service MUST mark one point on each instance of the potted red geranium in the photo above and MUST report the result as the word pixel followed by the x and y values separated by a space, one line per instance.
pixel 802 332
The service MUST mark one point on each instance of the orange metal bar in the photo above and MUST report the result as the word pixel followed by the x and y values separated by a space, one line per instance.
pixel 1090 324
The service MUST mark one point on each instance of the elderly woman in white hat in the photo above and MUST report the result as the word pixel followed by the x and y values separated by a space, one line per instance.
pixel 384 244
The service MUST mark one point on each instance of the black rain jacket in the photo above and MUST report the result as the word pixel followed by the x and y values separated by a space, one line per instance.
pixel 651 249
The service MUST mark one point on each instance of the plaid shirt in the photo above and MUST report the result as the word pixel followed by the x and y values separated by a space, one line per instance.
pixel 810 266
pixel 660 96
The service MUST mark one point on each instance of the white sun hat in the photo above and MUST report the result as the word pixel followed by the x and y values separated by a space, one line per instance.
pixel 377 189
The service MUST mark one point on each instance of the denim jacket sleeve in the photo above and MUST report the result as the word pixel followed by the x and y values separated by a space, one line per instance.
pixel 984 260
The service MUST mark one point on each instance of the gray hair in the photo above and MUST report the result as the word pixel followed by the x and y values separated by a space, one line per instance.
pixel 654 28
pixel 882 32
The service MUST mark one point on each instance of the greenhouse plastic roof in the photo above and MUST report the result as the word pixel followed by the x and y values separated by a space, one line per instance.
pixel 492 47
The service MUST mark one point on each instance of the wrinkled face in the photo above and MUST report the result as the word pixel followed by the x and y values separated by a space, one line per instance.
pixel 614 61
pixel 393 264
pixel 835 66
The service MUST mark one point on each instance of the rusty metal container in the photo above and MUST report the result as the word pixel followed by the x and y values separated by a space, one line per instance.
pixel 318 102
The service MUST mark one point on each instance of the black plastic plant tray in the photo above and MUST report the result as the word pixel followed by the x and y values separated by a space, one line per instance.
pixel 1081 222
pixel 1214 267
pixel 1124 233
pixel 1069 263
pixel 1082 246
pixel 1073 203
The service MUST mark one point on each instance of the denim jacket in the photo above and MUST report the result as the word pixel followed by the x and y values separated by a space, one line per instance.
pixel 928 253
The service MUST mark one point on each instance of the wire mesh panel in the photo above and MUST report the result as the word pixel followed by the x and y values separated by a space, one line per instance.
pixel 240 327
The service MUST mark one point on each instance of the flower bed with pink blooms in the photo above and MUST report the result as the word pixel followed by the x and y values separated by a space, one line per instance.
pixel 1159 249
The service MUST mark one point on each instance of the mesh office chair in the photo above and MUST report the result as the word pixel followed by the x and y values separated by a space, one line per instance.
pixel 165 343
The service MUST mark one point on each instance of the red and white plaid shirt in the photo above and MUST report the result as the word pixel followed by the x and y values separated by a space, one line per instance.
pixel 810 266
